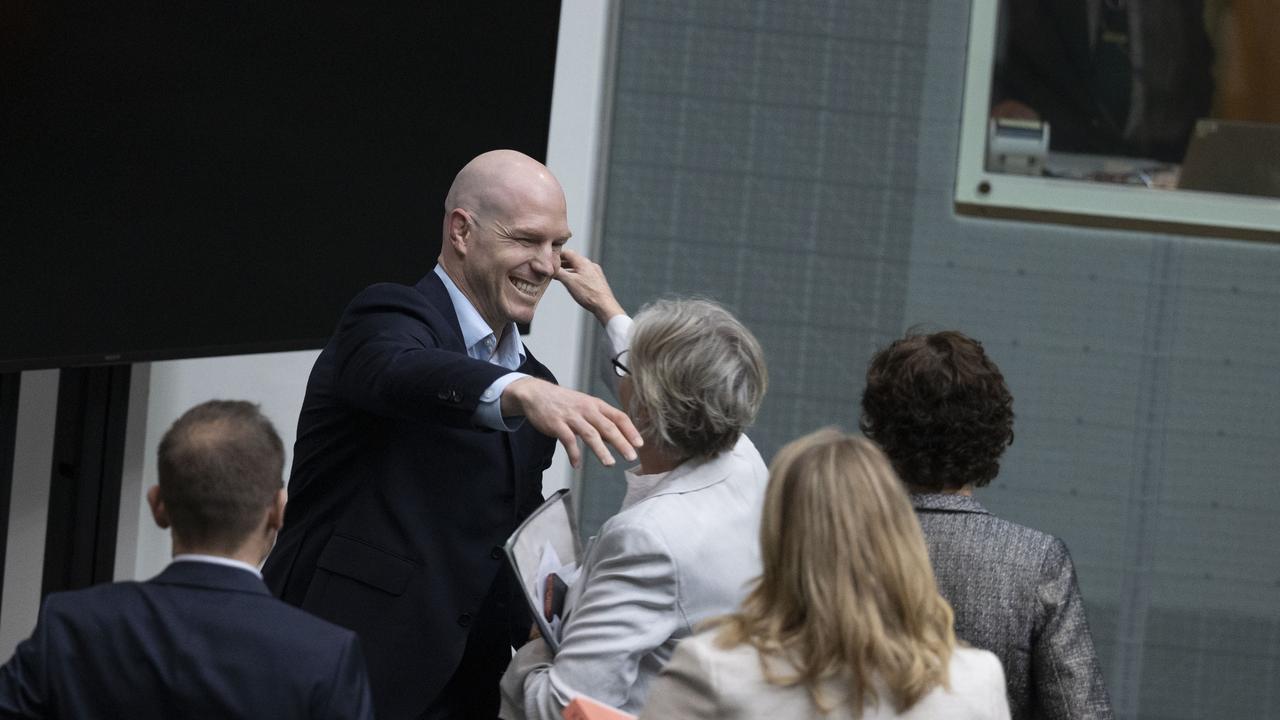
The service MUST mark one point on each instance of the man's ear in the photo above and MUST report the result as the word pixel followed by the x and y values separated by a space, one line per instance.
pixel 275 515
pixel 158 510
pixel 459 225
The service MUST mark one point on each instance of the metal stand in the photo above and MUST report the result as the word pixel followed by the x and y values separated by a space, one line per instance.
pixel 84 494
pixel 9 384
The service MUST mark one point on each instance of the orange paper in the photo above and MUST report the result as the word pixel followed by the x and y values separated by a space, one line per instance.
pixel 584 708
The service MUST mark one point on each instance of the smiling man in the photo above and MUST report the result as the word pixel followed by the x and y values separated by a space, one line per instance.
pixel 421 445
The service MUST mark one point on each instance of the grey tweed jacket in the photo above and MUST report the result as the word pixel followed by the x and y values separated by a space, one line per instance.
pixel 1014 593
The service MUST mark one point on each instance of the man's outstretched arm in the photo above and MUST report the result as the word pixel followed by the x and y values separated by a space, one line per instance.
pixel 568 414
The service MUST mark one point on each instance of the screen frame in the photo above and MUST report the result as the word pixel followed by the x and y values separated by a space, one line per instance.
pixel 1041 199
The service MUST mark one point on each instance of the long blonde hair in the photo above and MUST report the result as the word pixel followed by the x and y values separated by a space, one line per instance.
pixel 847 589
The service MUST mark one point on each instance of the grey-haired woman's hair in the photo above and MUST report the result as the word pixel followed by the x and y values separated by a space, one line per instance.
pixel 698 376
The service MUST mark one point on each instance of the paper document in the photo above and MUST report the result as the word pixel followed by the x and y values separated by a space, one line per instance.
pixel 544 552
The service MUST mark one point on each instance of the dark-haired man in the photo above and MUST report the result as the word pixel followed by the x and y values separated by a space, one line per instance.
pixel 941 411
pixel 204 638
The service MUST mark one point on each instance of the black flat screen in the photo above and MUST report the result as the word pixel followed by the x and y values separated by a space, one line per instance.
pixel 180 179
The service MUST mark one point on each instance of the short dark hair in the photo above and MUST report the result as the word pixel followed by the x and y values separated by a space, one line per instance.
pixel 940 409
pixel 220 466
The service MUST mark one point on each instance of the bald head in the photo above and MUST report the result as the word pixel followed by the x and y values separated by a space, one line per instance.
pixel 502 180
pixel 504 222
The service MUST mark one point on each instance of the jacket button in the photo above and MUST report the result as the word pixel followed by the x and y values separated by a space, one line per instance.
pixel 464 619
pixel 443 394
pixel 496 553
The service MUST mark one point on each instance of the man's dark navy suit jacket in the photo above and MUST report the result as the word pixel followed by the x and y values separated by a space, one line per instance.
pixel 197 641
pixel 399 503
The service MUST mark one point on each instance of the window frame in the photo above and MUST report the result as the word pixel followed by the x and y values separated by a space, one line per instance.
pixel 991 194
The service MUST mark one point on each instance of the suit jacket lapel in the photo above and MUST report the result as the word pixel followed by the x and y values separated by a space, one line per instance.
pixel 438 299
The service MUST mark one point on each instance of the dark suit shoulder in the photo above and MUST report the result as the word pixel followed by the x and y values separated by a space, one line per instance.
pixel 265 615
pixel 303 624
pixel 382 298
pixel 195 642
pixel 96 600
pixel 402 315
pixel 269 614
pixel 388 292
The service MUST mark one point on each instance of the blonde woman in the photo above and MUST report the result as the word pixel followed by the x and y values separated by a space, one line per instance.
pixel 846 621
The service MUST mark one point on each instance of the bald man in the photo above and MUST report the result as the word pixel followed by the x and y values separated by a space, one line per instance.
pixel 421 445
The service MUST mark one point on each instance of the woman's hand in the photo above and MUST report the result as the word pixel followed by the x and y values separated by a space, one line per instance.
pixel 586 283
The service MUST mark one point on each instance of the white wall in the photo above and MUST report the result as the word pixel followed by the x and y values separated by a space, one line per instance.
pixel 28 507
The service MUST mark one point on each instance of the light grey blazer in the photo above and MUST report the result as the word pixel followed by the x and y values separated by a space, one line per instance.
pixel 685 551
pixel 1014 593
pixel 704 680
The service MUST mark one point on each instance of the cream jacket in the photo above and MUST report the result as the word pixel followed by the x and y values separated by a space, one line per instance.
pixel 704 680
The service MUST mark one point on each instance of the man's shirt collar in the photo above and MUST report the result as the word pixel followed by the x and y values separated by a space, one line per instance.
pixel 217 560
pixel 476 333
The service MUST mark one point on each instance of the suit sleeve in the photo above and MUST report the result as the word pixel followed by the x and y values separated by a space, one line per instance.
pixel 23 680
pixel 389 361
pixel 686 688
pixel 1065 674
pixel 349 694
pixel 628 608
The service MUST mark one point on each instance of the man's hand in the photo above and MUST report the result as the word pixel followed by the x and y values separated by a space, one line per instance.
pixel 587 286
pixel 568 414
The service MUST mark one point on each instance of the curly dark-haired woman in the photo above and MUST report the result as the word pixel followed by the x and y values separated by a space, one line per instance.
pixel 941 411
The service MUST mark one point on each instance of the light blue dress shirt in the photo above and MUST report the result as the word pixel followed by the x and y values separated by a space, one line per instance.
pixel 482 345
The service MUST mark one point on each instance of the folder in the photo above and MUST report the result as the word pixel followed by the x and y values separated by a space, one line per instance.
pixel 545 545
